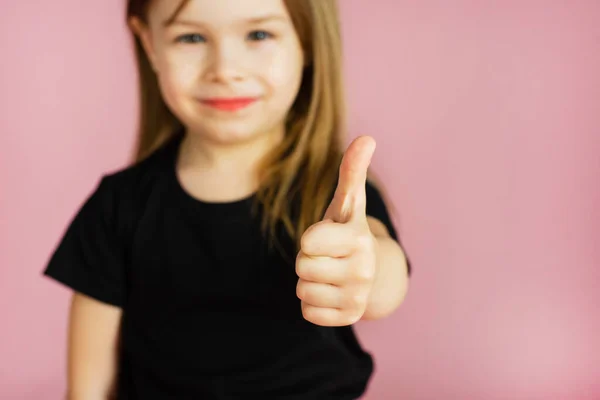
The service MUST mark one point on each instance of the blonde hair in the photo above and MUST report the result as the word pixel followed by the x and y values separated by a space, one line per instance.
pixel 304 167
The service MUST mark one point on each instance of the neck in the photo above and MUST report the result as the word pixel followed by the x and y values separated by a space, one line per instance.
pixel 200 152
pixel 223 171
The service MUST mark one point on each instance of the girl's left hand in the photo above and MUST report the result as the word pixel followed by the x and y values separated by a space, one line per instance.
pixel 337 260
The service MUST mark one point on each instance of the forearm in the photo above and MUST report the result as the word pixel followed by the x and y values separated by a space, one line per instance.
pixel 391 280
pixel 91 393
pixel 90 397
pixel 90 389
pixel 93 349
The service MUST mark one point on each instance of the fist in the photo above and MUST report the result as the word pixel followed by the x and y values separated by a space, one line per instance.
pixel 336 264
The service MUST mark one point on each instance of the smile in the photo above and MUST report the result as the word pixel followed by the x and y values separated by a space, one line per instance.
pixel 229 104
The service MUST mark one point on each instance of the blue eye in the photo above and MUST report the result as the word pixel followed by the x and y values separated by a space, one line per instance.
pixel 259 35
pixel 191 38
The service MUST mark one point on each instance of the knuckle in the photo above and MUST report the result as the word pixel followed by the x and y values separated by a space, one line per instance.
pixel 307 241
pixel 356 300
pixel 354 318
pixel 308 313
pixel 301 290
pixel 302 268
pixel 312 239
pixel 364 242
pixel 305 313
pixel 318 316
pixel 364 273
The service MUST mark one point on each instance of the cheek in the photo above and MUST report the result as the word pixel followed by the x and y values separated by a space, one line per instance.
pixel 177 80
pixel 284 74
pixel 179 73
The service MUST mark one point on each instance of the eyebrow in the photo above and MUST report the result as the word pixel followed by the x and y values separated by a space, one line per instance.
pixel 178 10
pixel 250 21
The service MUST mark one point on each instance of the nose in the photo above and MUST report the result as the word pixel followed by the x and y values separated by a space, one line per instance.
pixel 225 63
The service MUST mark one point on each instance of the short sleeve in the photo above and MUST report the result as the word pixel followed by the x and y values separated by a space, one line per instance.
pixel 376 208
pixel 89 257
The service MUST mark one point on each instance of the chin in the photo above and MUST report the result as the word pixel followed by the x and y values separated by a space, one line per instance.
pixel 230 129
pixel 227 135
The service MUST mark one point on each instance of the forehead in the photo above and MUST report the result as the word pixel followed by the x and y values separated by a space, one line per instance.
pixel 216 12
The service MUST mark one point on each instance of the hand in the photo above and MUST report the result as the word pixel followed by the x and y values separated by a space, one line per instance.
pixel 337 260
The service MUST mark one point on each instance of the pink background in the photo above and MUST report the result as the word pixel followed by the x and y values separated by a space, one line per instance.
pixel 486 115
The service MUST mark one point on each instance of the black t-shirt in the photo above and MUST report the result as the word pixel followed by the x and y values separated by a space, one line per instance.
pixel 209 310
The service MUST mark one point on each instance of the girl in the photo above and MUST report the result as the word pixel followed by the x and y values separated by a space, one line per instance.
pixel 231 260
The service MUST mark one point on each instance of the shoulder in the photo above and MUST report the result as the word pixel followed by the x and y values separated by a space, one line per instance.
pixel 121 196
pixel 139 178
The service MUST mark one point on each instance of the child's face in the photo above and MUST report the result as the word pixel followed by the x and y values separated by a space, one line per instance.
pixel 218 51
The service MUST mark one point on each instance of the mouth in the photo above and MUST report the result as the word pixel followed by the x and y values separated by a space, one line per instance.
pixel 229 104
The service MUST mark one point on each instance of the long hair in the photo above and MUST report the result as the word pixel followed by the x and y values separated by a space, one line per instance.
pixel 304 167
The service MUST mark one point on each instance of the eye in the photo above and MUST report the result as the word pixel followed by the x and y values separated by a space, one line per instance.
pixel 259 35
pixel 191 38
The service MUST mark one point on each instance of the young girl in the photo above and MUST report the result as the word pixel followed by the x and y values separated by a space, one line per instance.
pixel 231 260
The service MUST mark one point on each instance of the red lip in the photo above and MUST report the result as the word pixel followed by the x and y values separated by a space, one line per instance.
pixel 229 104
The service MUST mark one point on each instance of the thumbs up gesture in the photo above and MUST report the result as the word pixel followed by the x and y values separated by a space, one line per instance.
pixel 336 263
